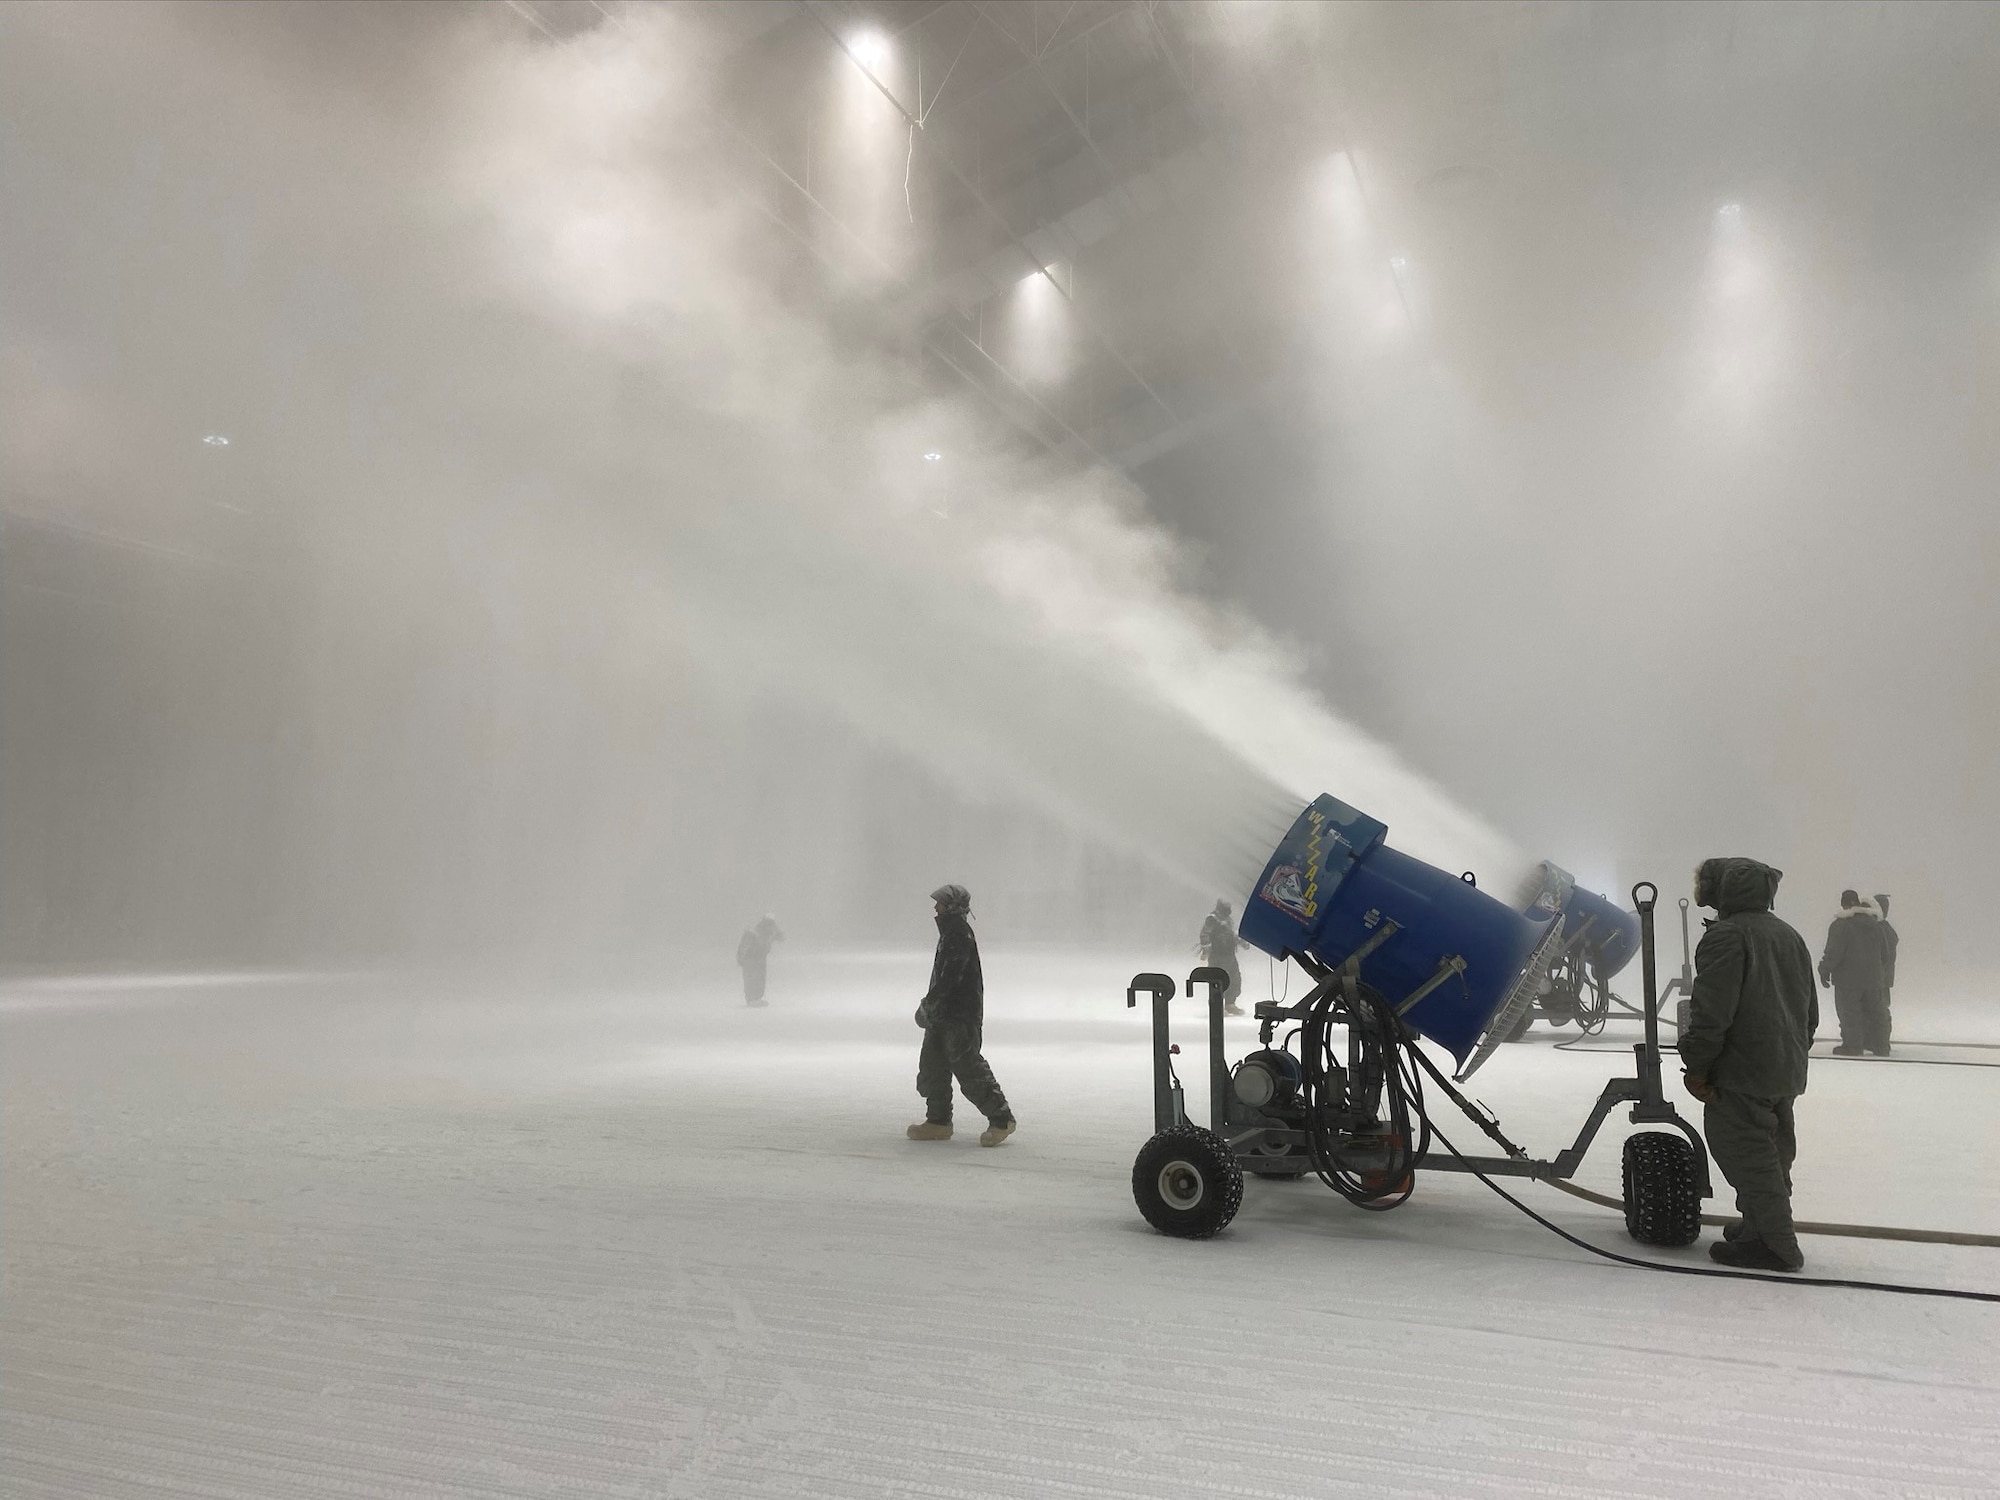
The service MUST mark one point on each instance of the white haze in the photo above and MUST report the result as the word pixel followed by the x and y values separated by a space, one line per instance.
pixel 497 340
pixel 1607 409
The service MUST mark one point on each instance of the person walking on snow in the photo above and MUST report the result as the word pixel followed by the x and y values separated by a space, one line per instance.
pixel 1751 1019
pixel 952 1014
pixel 1859 962
pixel 1218 944
pixel 752 950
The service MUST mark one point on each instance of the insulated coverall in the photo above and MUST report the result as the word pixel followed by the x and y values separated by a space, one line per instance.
pixel 953 1014
pixel 1751 1021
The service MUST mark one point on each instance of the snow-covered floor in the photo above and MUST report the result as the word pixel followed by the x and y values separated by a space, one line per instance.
pixel 394 1237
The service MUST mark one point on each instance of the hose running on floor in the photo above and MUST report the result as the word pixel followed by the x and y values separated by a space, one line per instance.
pixel 1575 1045
pixel 1784 1279
pixel 1837 1231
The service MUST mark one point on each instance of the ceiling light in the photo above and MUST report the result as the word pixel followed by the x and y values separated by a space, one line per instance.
pixel 216 440
pixel 1732 209
pixel 869 48
pixel 931 458
pixel 1397 262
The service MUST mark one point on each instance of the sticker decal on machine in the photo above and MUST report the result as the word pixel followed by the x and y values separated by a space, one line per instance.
pixel 1286 888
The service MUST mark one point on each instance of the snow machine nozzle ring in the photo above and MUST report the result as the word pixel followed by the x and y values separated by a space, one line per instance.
pixel 1645 903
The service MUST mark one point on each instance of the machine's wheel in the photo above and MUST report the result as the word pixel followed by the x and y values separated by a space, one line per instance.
pixel 1186 1183
pixel 1662 1189
pixel 1521 1027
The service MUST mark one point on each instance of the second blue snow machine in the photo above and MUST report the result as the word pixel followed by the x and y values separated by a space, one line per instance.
pixel 1399 952
pixel 1599 938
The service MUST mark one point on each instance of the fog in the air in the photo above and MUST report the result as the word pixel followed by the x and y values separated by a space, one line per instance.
pixel 448 511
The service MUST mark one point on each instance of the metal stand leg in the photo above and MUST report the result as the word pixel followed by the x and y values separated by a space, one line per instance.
pixel 1651 1107
pixel 1167 1111
pixel 1217 981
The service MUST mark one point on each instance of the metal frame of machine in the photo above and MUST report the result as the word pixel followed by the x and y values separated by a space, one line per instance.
pixel 1360 1124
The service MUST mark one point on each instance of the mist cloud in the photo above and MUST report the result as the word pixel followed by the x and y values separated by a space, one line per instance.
pixel 503 342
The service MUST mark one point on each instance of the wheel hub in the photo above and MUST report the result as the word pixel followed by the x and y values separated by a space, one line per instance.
pixel 1181 1185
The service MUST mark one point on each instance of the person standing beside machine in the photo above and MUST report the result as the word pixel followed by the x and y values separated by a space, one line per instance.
pixel 1744 1053
pixel 1858 963
pixel 1218 944
pixel 753 950
pixel 953 1016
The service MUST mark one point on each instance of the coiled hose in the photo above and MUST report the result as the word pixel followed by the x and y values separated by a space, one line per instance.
pixel 1379 1050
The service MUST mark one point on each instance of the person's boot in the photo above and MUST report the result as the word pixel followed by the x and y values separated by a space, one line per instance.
pixel 1736 1231
pixel 930 1130
pixel 996 1132
pixel 1231 1008
pixel 1749 1255
pixel 1843 1050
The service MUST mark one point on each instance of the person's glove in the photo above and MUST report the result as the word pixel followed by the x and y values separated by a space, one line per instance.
pixel 1701 1088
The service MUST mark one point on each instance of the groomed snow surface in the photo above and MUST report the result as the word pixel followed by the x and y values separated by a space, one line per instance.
pixel 382 1237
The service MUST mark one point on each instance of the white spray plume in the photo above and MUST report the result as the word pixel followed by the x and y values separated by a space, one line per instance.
pixel 1040 628
pixel 605 420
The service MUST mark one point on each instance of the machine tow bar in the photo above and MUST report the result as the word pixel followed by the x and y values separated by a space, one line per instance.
pixel 1167 1110
pixel 1651 1105
pixel 1217 981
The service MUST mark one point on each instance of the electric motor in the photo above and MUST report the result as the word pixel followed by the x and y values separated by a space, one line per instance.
pixel 1266 1078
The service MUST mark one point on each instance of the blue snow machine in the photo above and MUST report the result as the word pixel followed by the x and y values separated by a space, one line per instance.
pixel 1400 953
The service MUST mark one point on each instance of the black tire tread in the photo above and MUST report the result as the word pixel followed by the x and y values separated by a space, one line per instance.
pixel 1662 1189
pixel 1204 1150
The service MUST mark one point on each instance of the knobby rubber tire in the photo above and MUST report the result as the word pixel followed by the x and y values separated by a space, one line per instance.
pixel 1662 1189
pixel 1208 1182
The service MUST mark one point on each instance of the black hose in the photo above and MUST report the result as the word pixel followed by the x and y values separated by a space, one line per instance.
pixel 1596 1008
pixel 1379 1037
pixel 1784 1279
pixel 1574 1045
pixel 1909 1062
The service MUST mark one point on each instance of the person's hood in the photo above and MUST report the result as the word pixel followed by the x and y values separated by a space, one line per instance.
pixel 953 898
pixel 1734 883
pixel 1864 908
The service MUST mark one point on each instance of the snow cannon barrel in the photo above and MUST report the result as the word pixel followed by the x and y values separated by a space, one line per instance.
pixel 1604 929
pixel 1443 952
